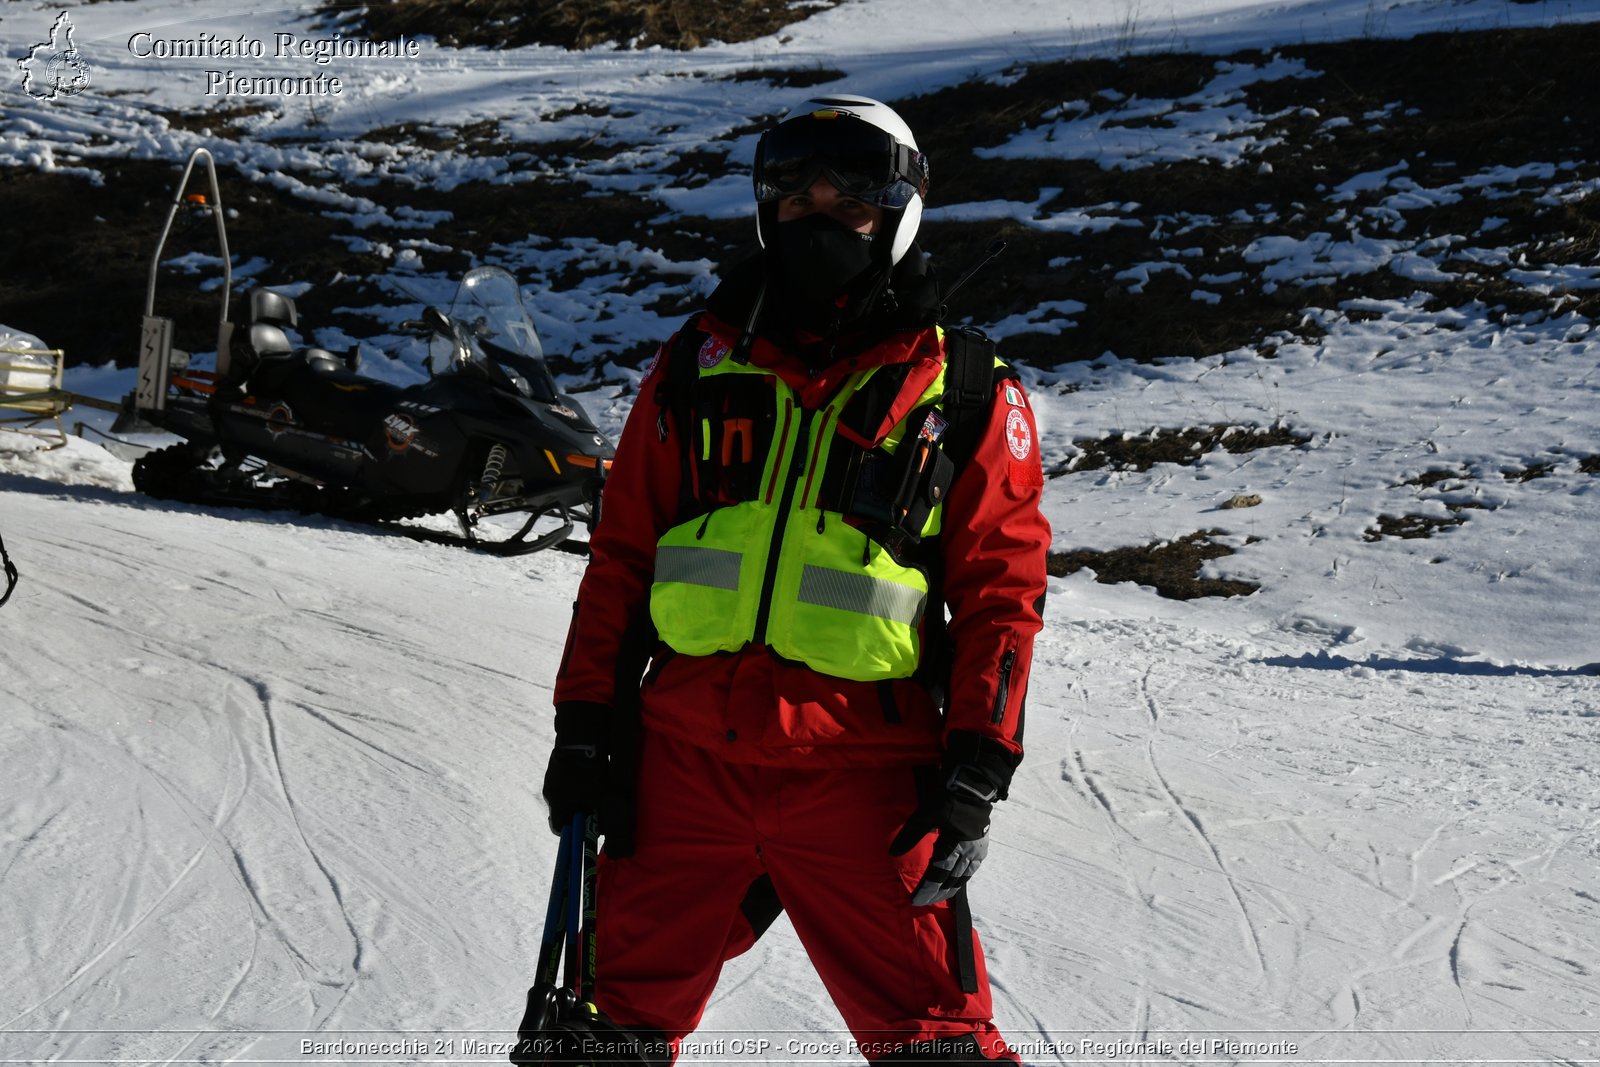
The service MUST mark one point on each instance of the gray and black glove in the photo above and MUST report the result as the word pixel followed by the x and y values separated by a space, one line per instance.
pixel 956 804
pixel 575 779
pixel 586 1037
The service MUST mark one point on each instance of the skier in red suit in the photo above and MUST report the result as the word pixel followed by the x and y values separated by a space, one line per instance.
pixel 838 560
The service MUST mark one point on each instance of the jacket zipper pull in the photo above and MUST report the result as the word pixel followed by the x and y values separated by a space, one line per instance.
pixel 700 534
pixel 1007 662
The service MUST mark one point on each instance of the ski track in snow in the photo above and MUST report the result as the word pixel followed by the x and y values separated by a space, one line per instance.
pixel 287 775
pixel 264 696
pixel 215 817
pixel 1247 927
pixel 1323 939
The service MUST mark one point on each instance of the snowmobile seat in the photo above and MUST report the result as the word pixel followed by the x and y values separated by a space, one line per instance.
pixel 272 308
pixel 322 361
pixel 273 357
pixel 327 397
pixel 269 341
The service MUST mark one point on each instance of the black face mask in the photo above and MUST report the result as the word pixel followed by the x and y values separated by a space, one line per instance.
pixel 822 259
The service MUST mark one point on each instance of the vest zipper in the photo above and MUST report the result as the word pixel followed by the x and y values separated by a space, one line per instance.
pixel 797 463
pixel 816 454
pixel 1007 662
pixel 783 443
pixel 656 664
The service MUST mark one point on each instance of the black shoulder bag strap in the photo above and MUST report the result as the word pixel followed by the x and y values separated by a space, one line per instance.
pixel 970 376
pixel 675 393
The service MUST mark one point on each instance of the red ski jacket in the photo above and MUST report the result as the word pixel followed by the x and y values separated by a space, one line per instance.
pixel 752 706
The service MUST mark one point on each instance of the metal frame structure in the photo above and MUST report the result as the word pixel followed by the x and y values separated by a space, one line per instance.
pixel 155 336
pixel 38 396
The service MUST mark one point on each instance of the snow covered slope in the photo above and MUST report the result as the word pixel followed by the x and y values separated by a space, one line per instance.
pixel 269 784
pixel 270 781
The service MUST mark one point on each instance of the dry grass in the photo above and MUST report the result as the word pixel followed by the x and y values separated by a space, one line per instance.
pixel 680 24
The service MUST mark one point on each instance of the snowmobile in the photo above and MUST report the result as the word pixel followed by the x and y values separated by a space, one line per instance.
pixel 285 426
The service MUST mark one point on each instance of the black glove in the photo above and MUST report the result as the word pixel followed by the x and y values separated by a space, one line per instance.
pixel 587 1038
pixel 956 804
pixel 575 780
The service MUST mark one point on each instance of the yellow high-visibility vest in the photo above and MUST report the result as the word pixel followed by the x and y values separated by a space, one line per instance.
pixel 781 567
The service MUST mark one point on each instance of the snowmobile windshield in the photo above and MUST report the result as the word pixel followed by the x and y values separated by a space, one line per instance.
pixel 488 305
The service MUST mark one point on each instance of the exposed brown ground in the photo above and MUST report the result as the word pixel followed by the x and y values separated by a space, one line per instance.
pixel 1445 106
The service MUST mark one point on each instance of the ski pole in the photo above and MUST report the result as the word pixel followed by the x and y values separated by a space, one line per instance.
pixel 555 915
pixel 11 572
pixel 574 840
pixel 543 1006
pixel 591 845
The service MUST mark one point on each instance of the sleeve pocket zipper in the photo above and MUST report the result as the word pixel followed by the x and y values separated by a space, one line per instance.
pixel 1007 662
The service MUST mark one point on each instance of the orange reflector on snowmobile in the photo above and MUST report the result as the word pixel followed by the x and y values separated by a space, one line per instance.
pixel 588 461
pixel 197 381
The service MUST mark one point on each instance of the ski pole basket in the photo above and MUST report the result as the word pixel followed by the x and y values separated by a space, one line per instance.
pixel 31 397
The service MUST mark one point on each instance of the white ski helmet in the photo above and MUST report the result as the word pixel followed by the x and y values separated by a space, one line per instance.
pixel 863 147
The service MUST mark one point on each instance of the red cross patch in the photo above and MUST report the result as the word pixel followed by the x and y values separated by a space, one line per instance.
pixel 712 352
pixel 1019 437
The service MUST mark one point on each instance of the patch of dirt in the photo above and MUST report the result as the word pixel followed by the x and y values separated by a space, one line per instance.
pixel 110 231
pixel 482 137
pixel 1528 473
pixel 1171 568
pixel 1589 465
pixel 1438 476
pixel 1162 261
pixel 114 227
pixel 1183 447
pixel 223 122
pixel 1410 527
pixel 789 77
pixel 679 24
pixel 1435 122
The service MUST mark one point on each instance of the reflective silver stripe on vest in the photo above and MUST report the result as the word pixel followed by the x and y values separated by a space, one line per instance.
pixel 862 594
pixel 714 567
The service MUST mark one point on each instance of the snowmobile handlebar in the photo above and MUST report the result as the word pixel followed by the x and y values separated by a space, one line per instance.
pixel 433 322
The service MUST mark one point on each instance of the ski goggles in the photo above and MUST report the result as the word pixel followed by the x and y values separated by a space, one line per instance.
pixel 860 160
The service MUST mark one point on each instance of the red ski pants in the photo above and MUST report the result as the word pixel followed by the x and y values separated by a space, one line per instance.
pixel 669 914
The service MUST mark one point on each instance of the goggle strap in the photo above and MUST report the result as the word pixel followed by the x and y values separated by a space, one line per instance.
pixel 910 165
